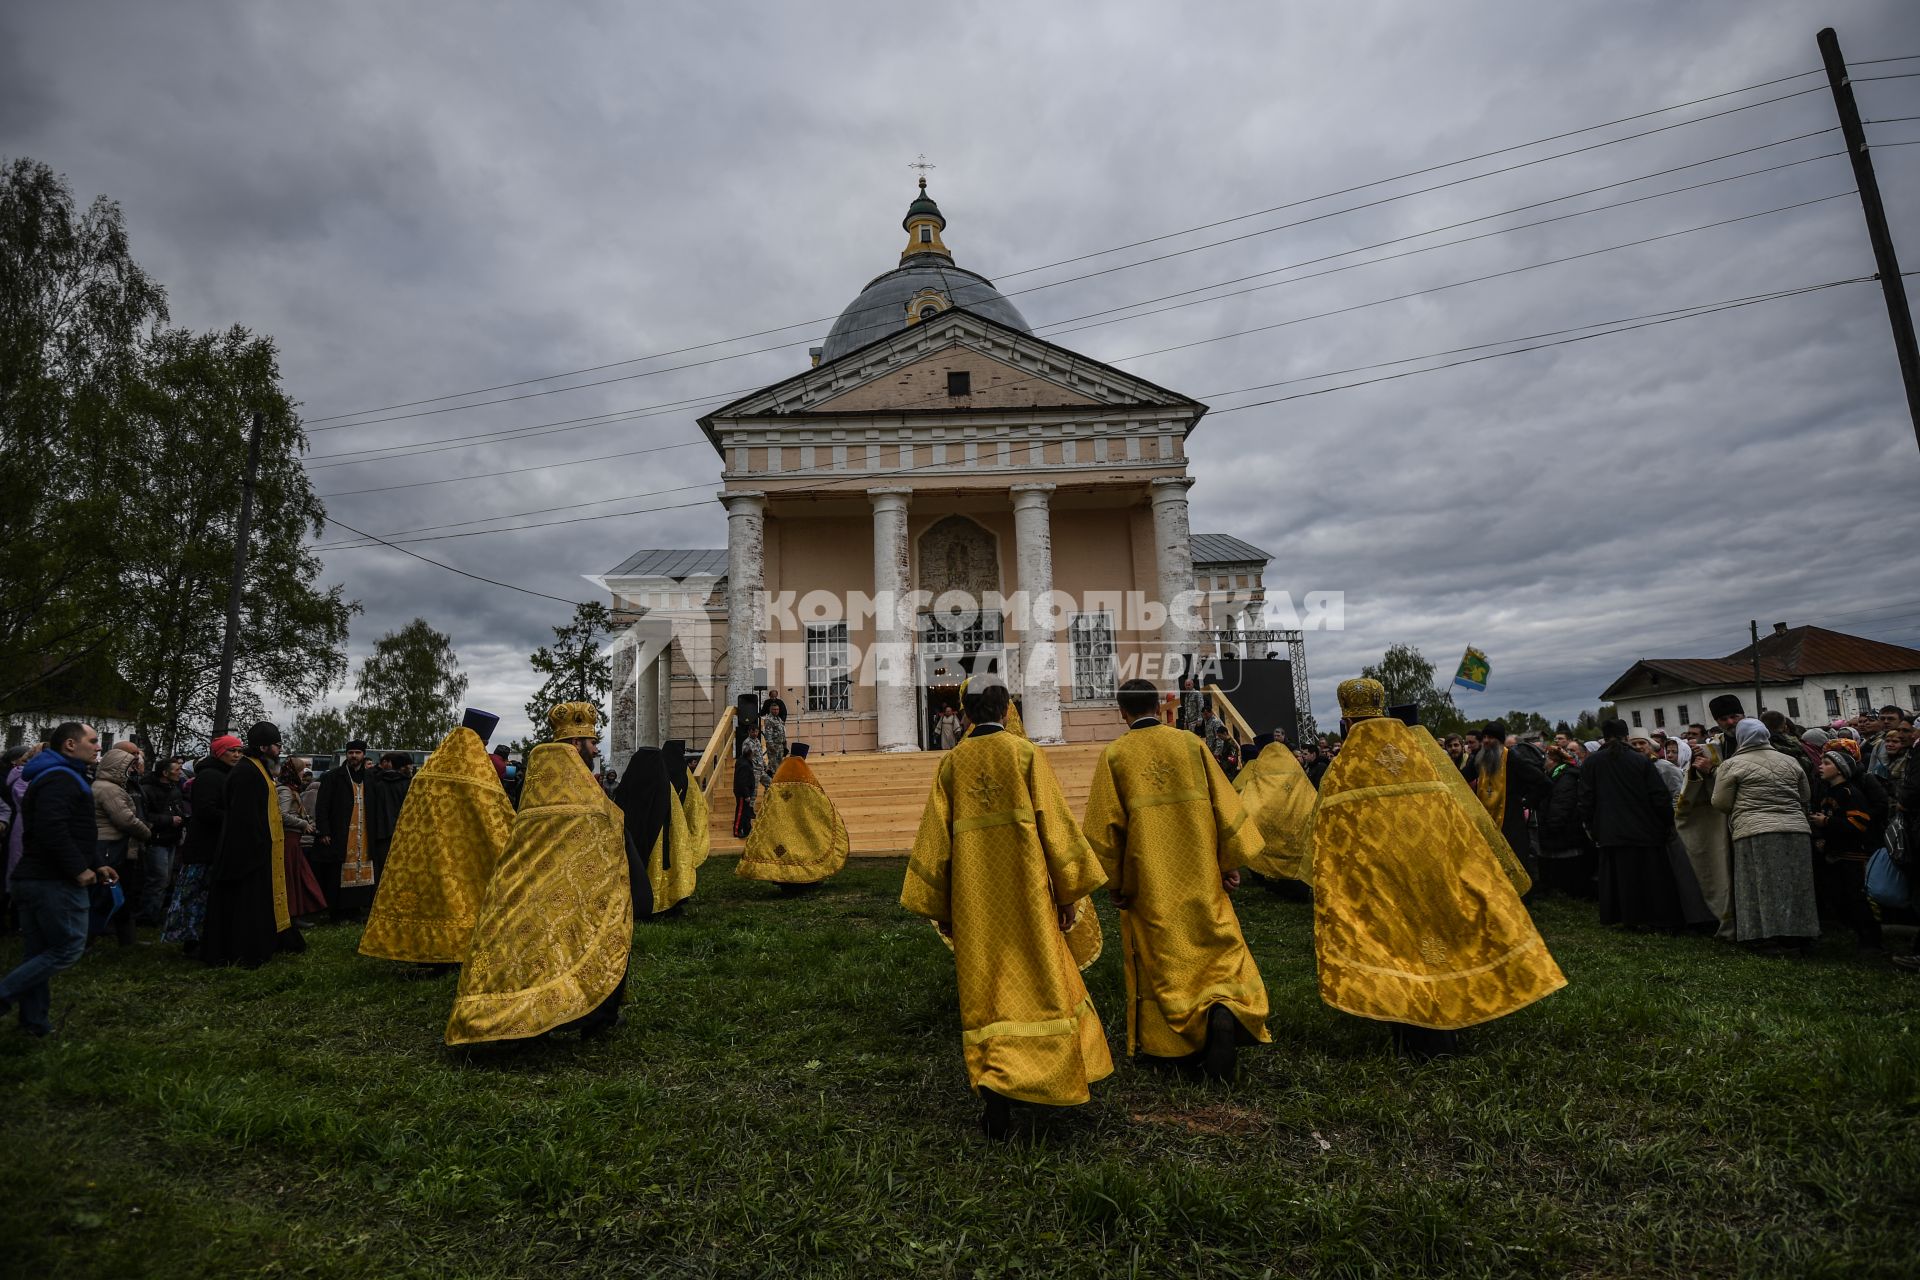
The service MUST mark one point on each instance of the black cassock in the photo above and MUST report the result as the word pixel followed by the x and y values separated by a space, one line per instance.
pixel 241 925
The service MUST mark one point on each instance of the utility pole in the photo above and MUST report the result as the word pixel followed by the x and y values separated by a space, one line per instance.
pixel 1885 263
pixel 223 701
pixel 1753 629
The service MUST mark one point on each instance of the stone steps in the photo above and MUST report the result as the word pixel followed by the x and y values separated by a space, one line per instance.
pixel 880 796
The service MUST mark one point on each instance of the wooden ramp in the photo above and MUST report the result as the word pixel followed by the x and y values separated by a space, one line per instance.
pixel 880 796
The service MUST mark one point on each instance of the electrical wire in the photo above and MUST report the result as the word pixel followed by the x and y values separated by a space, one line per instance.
pixel 865 477
pixel 313 423
pixel 1433 289
pixel 1056 325
pixel 440 564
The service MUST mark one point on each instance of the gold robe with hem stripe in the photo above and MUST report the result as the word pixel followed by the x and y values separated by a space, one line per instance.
pixel 1166 825
pixel 797 836
pixel 675 884
pixel 1279 797
pixel 1415 919
pixel 555 930
pixel 452 829
pixel 997 853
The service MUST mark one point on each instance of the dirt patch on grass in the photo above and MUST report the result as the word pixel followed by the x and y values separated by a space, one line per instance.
pixel 1213 1119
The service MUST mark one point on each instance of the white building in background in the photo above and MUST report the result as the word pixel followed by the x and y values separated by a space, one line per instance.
pixel 1813 675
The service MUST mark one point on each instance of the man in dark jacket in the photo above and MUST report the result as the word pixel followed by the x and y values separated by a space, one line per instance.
pixel 1628 811
pixel 58 863
pixel 1567 860
pixel 166 810
pixel 247 913
pixel 201 844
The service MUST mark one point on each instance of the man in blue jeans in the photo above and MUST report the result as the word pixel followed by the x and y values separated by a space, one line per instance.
pixel 57 866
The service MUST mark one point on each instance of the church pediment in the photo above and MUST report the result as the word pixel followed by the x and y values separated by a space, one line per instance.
pixel 911 371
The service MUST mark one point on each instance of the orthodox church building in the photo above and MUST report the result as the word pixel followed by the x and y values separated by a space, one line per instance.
pixel 941 493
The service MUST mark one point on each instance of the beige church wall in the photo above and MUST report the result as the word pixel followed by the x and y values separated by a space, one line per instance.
pixel 923 385
pixel 815 553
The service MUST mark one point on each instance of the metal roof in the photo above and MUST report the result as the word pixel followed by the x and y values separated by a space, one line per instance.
pixel 1787 656
pixel 1222 548
pixel 672 563
pixel 881 308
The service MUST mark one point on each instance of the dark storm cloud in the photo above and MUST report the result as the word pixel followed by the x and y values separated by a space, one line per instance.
pixel 429 198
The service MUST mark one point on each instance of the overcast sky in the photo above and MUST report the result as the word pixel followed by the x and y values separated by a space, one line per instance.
pixel 421 199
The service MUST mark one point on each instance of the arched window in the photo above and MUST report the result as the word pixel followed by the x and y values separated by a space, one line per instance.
pixel 929 311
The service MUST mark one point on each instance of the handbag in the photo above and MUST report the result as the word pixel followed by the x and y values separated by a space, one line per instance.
pixel 1897 847
pixel 1887 881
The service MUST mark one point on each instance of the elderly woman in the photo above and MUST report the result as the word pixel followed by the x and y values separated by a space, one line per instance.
pixel 1846 831
pixel 1766 794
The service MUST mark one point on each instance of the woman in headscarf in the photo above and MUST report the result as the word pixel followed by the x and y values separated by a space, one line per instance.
pixel 1671 763
pixel 1844 836
pixel 1766 794
pixel 304 895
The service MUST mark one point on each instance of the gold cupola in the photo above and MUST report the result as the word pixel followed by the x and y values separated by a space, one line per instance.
pixel 924 225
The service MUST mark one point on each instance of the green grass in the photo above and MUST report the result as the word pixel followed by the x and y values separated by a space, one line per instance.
pixel 786 1097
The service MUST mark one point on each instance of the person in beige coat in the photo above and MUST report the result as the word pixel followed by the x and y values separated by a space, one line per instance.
pixel 120 830
pixel 1765 792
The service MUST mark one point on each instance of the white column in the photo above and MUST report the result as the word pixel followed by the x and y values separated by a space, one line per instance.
pixel 893 678
pixel 1039 644
pixel 646 709
pixel 1172 555
pixel 746 562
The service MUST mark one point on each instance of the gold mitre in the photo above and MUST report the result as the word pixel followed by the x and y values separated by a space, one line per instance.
pixel 1362 699
pixel 574 720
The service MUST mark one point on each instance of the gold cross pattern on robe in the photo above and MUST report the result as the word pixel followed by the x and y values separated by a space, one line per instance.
pixel 988 789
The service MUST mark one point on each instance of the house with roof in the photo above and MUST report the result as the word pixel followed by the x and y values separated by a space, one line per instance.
pixel 1811 674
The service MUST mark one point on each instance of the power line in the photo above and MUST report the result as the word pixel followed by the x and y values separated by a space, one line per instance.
pixel 438 564
pixel 335 418
pixel 1445 244
pixel 1281 324
pixel 865 477
pixel 1055 327
pixel 489 475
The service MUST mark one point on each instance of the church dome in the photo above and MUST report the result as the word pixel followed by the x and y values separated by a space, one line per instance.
pixel 924 284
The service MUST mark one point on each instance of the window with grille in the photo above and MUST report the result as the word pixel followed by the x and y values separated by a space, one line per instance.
pixel 1862 699
pixel 1793 708
pixel 1833 701
pixel 1659 717
pixel 1092 638
pixel 1913 697
pixel 981 635
pixel 1636 719
pixel 829 684
pixel 1684 720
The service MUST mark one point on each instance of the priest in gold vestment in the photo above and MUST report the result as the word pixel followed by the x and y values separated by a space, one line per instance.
pixel 1171 835
pixel 1416 921
pixel 999 863
pixel 452 830
pixel 550 947
pixel 1279 798
pixel 798 838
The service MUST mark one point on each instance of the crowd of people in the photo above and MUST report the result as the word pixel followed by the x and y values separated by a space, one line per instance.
pixel 1419 855
pixel 1705 830
pixel 102 842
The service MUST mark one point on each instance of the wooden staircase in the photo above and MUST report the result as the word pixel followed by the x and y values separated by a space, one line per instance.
pixel 880 796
